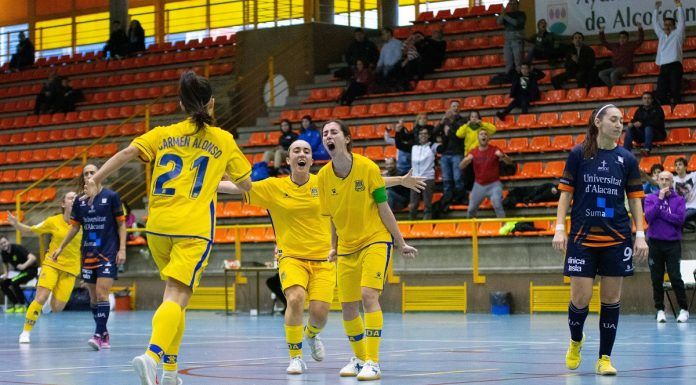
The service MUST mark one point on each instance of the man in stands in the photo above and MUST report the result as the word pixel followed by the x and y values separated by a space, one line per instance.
pixel 543 44
pixel 432 50
pixel 452 154
pixel 651 186
pixel 647 125
pixel 389 58
pixel 397 196
pixel 669 54
pixel 360 49
pixel 524 90
pixel 486 159
pixel 24 57
pixel 622 56
pixel 664 212
pixel 684 184
pixel 117 46
pixel 512 20
pixel 26 264
pixel 579 64
pixel 48 99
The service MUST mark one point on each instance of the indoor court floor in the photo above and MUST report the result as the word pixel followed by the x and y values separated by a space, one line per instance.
pixel 419 349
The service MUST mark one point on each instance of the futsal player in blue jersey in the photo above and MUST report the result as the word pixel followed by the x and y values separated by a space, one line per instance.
pixel 597 176
pixel 103 249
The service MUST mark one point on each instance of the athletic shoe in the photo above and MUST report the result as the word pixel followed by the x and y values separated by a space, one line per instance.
pixel 317 348
pixel 603 366
pixel 24 338
pixel 683 316
pixel 146 367
pixel 660 317
pixel 297 366
pixel 20 309
pixel 10 309
pixel 171 377
pixel 95 342
pixel 370 372
pixel 573 356
pixel 105 344
pixel 353 368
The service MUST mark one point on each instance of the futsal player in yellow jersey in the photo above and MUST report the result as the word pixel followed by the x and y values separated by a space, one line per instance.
pixel 303 239
pixel 190 159
pixel 57 275
pixel 364 231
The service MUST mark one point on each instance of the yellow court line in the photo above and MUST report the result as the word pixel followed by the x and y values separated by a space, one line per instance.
pixel 449 372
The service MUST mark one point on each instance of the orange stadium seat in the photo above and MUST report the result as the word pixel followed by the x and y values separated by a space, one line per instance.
pixel 668 163
pixel 599 93
pixel 500 143
pixel 692 164
pixel 506 124
pixel 552 96
pixel 494 101
pixel 473 102
pixel 36 174
pixel 341 112
pixel 647 161
pixel 396 108
pixel 470 62
pixel 421 230
pixel 425 16
pixel 462 83
pixel 443 85
pixel 443 14
pixel 621 91
pixel 374 152
pixel 424 85
pixel 576 95
pixel 445 230
pixel 333 93
pixel 554 169
pixel 548 119
pixel 570 118
pixel 640 89
pixel 69 134
pixel 377 109
pixel 680 136
pixel 527 121
pixel 460 13
pixel 7 196
pixel 366 132
pixel 562 142
pixel 257 139
pixel 8 176
pixel 415 107
pixel 359 110
pixel 683 111
pixel 405 230
pixel 323 113
pixel 452 63
pixel 518 145
pixel 289 115
pixel 540 144
pixel 531 170
pixel 390 152
pixel 489 229
pixel 435 105
pixel 646 68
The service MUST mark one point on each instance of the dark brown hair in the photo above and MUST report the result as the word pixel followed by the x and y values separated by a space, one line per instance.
pixel 589 146
pixel 682 160
pixel 346 132
pixel 80 180
pixel 195 93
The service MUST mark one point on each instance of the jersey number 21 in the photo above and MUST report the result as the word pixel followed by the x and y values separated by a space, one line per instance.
pixel 199 166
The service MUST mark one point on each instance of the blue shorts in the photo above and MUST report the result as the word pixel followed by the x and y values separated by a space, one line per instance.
pixel 609 261
pixel 105 270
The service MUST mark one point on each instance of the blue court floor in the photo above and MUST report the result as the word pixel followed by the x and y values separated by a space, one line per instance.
pixel 437 349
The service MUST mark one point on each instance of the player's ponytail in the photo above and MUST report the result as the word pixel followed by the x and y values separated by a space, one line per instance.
pixel 195 94
pixel 590 145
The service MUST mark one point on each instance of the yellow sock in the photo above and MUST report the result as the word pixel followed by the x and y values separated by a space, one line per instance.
pixel 172 353
pixel 32 316
pixel 373 334
pixel 293 336
pixel 356 335
pixel 165 325
pixel 311 331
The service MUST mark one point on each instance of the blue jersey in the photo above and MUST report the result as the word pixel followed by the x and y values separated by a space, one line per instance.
pixel 599 186
pixel 100 222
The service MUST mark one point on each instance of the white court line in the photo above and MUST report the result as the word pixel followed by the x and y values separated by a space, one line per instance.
pixel 449 372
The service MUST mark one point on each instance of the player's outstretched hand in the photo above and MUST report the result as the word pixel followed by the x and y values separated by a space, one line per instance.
pixel 415 183
pixel 560 241
pixel 12 219
pixel 407 251
pixel 640 250
pixel 332 255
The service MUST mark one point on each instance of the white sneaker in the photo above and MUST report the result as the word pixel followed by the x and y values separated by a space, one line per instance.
pixel 683 316
pixel 353 368
pixel 170 377
pixel 661 318
pixel 146 367
pixel 317 348
pixel 24 337
pixel 297 366
pixel 369 372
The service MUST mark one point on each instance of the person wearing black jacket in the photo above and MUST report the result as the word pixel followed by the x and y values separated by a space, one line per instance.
pixel 647 125
pixel 24 57
pixel 360 49
pixel 22 261
pixel 48 99
pixel 403 141
pixel 524 90
pixel 136 37
pixel 432 51
pixel 543 44
pixel 117 46
pixel 579 64
pixel 280 152
pixel 68 96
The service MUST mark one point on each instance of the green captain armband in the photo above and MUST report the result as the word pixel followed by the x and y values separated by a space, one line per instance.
pixel 380 195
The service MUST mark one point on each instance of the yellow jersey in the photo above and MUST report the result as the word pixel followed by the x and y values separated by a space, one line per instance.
pixel 351 205
pixel 300 230
pixel 69 260
pixel 187 169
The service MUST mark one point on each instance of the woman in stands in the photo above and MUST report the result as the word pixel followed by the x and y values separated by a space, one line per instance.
pixel 103 250
pixel 597 175
pixel 363 232
pixel 57 274
pixel 190 159
pixel 303 239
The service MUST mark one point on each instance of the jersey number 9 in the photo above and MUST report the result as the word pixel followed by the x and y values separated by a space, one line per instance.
pixel 199 165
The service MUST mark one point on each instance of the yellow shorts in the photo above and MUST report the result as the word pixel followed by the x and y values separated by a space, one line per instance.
pixel 364 268
pixel 318 278
pixel 59 282
pixel 183 259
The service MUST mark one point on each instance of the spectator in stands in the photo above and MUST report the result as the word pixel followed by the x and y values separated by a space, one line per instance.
pixel 411 63
pixel 469 132
pixel 512 20
pixel 280 152
pixel 486 160
pixel 360 49
pixel 647 125
pixel 117 46
pixel 524 90
pixel 669 54
pixel 26 264
pixel 403 140
pixel 310 134
pixel 452 155
pixel 49 98
pixel 423 165
pixel 69 96
pixel 622 56
pixel 543 44
pixel 359 83
pixel 136 38
pixel 684 184
pixel 432 51
pixel 664 212
pixel 130 221
pixel 546 192
pixel 389 58
pixel 24 56
pixel 651 186
pixel 579 64
pixel 421 123
pixel 397 196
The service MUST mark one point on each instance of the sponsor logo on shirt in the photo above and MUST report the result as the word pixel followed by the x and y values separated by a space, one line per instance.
pixel 602 210
pixel 576 264
pixel 314 192
pixel 603 167
pixel 333 191
pixel 359 185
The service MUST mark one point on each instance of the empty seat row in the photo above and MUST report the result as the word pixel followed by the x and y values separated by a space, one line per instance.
pixel 465 229
pixel 14 91
pixel 33 174
pixel 17 105
pixel 478 42
pixel 459 13
pixel 129 94
pixel 57 153
pixel 35 195
pixel 254 234
pixel 86 132
pixel 450 27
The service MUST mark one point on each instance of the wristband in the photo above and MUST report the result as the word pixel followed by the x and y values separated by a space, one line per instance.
pixel 640 234
pixel 560 227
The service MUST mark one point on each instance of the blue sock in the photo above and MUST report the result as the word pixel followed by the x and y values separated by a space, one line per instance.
pixel 576 321
pixel 102 317
pixel 93 307
pixel 608 322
